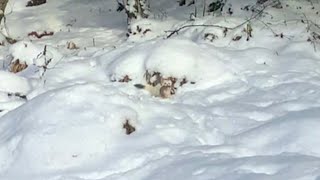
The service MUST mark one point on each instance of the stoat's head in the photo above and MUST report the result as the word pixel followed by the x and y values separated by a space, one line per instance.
pixel 167 82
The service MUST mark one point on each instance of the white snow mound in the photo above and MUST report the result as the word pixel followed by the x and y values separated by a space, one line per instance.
pixel 49 141
pixel 180 58
pixel 13 83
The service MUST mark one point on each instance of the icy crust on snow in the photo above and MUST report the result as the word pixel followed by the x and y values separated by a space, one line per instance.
pixel 179 58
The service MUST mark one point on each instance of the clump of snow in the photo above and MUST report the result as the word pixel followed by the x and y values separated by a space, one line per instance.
pixel 13 83
pixel 11 87
pixel 34 54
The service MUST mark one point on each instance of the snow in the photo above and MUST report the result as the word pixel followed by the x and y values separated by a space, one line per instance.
pixel 248 110
pixel 189 61
pixel 33 54
pixel 12 83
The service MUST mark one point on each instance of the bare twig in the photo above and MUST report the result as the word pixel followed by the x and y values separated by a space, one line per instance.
pixel 311 3
pixel 308 22
pixel 300 20
pixel 273 32
pixel 266 25
pixel 195 8
pixel 46 62
pixel 204 8
pixel 216 26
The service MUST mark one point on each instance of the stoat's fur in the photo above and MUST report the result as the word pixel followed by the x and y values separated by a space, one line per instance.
pixel 153 90
pixel 164 89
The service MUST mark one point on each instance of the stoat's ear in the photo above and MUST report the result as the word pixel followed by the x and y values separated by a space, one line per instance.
pixel 173 80
pixel 161 81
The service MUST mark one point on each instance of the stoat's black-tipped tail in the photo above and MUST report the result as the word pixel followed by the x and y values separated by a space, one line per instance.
pixel 139 86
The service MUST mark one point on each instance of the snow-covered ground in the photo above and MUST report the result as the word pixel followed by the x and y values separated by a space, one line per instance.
pixel 250 109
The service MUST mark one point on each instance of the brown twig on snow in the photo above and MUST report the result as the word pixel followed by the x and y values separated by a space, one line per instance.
pixel 128 127
pixel 45 33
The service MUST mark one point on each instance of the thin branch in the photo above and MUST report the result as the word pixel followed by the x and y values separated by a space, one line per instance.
pixel 216 26
pixel 204 8
pixel 273 32
pixel 308 27
pixel 5 28
pixel 299 20
pixel 266 25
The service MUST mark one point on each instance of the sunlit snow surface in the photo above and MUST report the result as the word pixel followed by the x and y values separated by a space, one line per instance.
pixel 252 113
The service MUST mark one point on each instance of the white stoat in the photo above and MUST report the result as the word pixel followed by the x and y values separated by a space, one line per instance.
pixel 164 89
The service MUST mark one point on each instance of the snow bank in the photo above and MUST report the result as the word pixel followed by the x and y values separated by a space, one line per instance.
pixel 50 141
pixel 63 130
pixel 180 58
